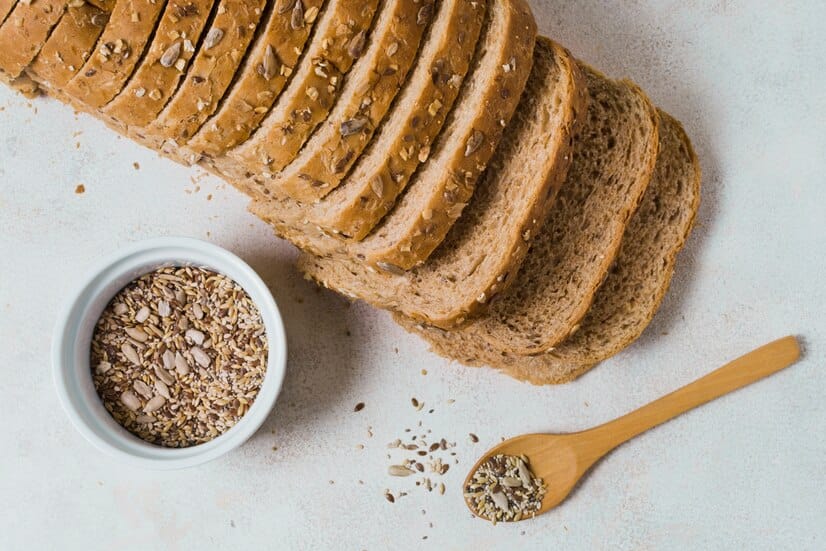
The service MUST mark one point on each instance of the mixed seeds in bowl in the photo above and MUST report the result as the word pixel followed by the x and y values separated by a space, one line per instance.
pixel 178 356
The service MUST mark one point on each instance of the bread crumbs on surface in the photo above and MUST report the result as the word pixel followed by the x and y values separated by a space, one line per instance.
pixel 136 165
pixel 80 189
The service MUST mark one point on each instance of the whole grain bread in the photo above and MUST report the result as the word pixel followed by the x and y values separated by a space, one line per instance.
pixel 438 194
pixel 631 294
pixel 268 68
pixel 119 50
pixel 221 53
pixel 70 44
pixel 404 140
pixel 614 158
pixel 157 77
pixel 24 32
pixel 368 92
pixel 340 39
pixel 483 252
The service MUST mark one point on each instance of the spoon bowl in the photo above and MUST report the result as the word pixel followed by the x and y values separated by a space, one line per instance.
pixel 554 458
pixel 561 460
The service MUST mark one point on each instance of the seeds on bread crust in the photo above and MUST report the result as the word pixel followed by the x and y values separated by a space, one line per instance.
pixel 260 81
pixel 25 31
pixel 69 45
pixel 403 141
pixel 157 78
pixel 212 71
pixel 363 103
pixel 308 98
pixel 119 50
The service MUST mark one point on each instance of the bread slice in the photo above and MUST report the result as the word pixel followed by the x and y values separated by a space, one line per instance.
pixel 483 252
pixel 403 141
pixel 212 71
pixel 368 92
pixel 157 77
pixel 70 44
pixel 119 50
pixel 614 159
pixel 261 80
pixel 354 107
pixel 24 32
pixel 633 290
pixel 437 196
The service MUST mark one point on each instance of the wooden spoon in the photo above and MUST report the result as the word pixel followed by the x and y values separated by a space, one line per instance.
pixel 560 460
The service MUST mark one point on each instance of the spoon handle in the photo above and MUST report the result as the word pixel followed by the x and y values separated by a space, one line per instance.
pixel 738 373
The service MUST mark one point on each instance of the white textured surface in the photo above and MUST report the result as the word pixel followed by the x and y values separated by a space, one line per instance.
pixel 745 472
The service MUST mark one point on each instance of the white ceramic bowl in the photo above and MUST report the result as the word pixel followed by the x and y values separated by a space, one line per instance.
pixel 73 334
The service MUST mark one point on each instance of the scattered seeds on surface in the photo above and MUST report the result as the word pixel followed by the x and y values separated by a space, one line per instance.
pixel 473 438
pixel 359 406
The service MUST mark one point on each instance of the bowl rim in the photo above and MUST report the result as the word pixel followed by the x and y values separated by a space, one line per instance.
pixel 126 264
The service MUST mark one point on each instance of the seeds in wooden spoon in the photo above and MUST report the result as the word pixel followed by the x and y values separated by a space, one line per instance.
pixel 504 489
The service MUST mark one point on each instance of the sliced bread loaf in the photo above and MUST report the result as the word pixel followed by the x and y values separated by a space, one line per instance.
pixel 364 101
pixel 614 157
pixel 119 50
pixel 482 253
pixel 437 196
pixel 633 290
pixel 261 80
pixel 25 31
pixel 340 39
pixel 157 77
pixel 212 71
pixel 352 108
pixel 70 44
pixel 403 141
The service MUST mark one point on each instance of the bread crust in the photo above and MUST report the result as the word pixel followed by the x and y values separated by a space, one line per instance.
pixel 403 141
pixel 211 73
pixel 313 92
pixel 24 32
pixel 6 7
pixel 119 50
pixel 260 82
pixel 157 77
pixel 365 100
pixel 70 44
